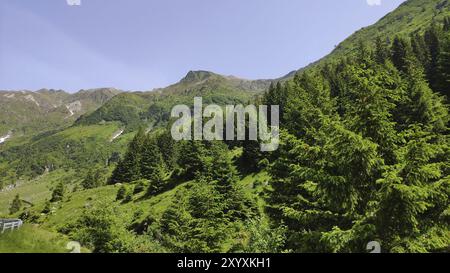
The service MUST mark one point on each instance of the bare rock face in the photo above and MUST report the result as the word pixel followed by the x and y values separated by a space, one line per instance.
pixel 74 107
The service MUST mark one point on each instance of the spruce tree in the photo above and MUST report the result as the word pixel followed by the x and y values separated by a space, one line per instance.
pixel 414 196
pixel 420 50
pixel 121 193
pixel 251 155
pixel 129 169
pixel 47 207
pixel 89 181
pixel 16 205
pixel 401 53
pixel 191 158
pixel 381 50
pixel 58 192
pixel 196 221
pixel 425 107
pixel 158 180
pixel 444 67
pixel 433 43
pixel 315 188
pixel 368 101
pixel 151 160
pixel 446 23
pixel 168 148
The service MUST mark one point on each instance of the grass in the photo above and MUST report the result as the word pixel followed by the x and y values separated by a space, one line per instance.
pixel 38 191
pixel 74 205
pixel 33 239
pixel 35 191
pixel 99 132
pixel 254 185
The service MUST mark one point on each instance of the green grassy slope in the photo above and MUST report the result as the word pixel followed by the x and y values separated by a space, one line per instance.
pixel 33 239
pixel 410 17
pixel 26 113
pixel 88 143
pixel 36 191
pixel 77 147
pixel 66 212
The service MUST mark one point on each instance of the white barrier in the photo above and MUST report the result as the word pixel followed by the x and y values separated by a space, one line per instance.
pixel 10 224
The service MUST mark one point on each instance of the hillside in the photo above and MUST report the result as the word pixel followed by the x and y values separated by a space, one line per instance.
pixel 151 108
pixel 413 16
pixel 26 113
pixel 32 239
pixel 363 157
pixel 99 117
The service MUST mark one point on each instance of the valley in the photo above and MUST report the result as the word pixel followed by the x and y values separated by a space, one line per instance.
pixel 363 156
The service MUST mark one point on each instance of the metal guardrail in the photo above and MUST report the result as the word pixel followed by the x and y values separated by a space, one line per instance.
pixel 10 224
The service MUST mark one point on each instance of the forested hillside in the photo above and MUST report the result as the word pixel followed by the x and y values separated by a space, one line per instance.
pixel 364 150
pixel 363 156
pixel 91 136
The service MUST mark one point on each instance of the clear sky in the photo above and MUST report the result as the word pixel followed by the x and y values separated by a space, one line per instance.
pixel 144 44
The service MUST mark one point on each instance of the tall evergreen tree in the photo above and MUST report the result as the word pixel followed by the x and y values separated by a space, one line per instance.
pixel 381 50
pixel 444 67
pixel 129 169
pixel 420 50
pixel 58 192
pixel 425 107
pixel 92 180
pixel 190 158
pixel 276 95
pixel 414 196
pixel 151 160
pixel 16 205
pixel 121 193
pixel 167 147
pixel 447 23
pixel 369 97
pixel 314 188
pixel 433 43
pixel 401 53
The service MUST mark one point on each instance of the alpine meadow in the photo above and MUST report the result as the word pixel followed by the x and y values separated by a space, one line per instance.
pixel 363 156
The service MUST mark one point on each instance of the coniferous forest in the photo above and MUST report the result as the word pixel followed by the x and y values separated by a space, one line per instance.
pixel 363 156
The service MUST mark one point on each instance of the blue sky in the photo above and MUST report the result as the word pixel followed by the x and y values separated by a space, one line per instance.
pixel 144 44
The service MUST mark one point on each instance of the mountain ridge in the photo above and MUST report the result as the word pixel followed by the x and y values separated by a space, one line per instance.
pixel 28 112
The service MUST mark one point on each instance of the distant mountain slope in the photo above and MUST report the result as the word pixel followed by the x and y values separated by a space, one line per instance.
pixel 137 108
pixel 352 175
pixel 100 116
pixel 410 17
pixel 28 113
pixel 46 110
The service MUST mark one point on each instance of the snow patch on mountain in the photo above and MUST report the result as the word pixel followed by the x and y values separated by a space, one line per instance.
pixel 4 138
